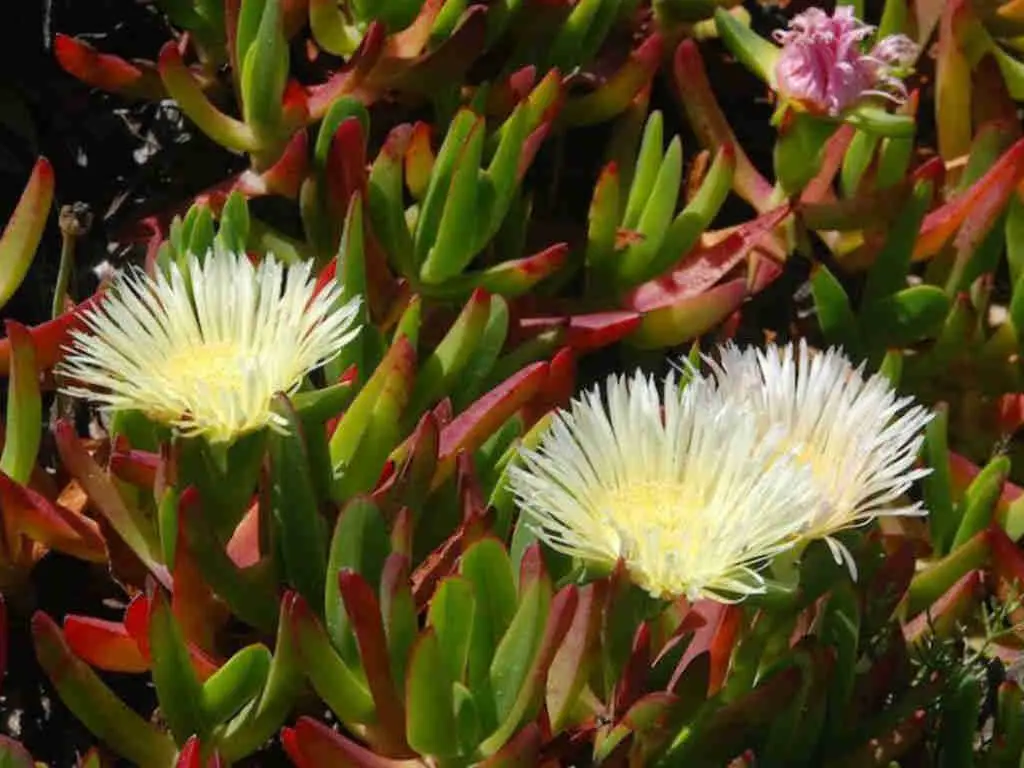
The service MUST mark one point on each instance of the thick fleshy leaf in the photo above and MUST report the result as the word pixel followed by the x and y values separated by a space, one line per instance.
pixel 178 689
pixel 386 203
pixel 191 756
pixel 92 702
pixel 499 183
pixel 481 364
pixel 651 225
pixel 1009 735
pixel 991 193
pixel 911 314
pixel 675 323
pixel 136 467
pixel 452 615
pixel 614 94
pixel 311 744
pixel 928 586
pixel 360 544
pixel 469 429
pixel 238 681
pixel 413 464
pixel 264 715
pixel 874 119
pixel 753 51
pixel 835 314
pixel 712 127
pixel 602 224
pixel 649 161
pixel 945 614
pixel 450 157
pixel 943 518
pixel 487 567
pixel 419 161
pixel 514 277
pixel 439 372
pixel 24 229
pixel 182 87
pixel 398 611
pixel 430 728
pixel 127 521
pixel 515 654
pixel 23 428
pixel 453 245
pixel 299 528
pixel 700 270
pixel 50 337
pixel 953 83
pixel 104 644
pixel 650 714
pixel 284 177
pixel 330 29
pixel 265 74
pixel 27 512
pixel 889 272
pixel 363 610
pixel 250 591
pixel 350 79
pixel 521 751
pixel 717 636
pixel 391 380
pixel 979 501
pixel 136 79
pixel 409 68
pixel 330 676
pixel 686 229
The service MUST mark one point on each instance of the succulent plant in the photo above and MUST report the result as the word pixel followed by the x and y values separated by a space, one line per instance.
pixel 324 536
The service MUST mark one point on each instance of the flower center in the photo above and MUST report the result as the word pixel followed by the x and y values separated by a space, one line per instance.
pixel 221 365
pixel 657 531
pixel 641 507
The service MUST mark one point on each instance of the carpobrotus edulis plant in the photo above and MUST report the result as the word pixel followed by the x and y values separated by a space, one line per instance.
pixel 681 484
pixel 205 347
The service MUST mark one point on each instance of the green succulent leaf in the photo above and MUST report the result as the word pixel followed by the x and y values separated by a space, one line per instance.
pixel 299 528
pixel 240 680
pixel 452 615
pixel 360 543
pixel 92 702
pixel 754 52
pixel 430 727
pixel 835 314
pixel 178 689
pixel 979 502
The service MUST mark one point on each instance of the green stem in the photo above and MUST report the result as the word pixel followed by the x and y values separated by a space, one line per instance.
pixel 75 221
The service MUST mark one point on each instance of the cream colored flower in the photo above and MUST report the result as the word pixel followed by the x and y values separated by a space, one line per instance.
pixel 857 436
pixel 681 485
pixel 205 348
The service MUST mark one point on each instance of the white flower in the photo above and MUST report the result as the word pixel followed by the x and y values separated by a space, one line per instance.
pixel 682 486
pixel 858 437
pixel 205 348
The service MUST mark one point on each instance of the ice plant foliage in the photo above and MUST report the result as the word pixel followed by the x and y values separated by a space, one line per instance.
pixel 681 485
pixel 205 347
pixel 823 67
pixel 857 436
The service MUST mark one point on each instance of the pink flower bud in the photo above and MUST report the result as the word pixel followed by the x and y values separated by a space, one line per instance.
pixel 824 68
